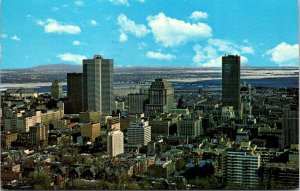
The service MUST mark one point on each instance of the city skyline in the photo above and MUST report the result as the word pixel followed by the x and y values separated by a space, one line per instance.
pixel 197 35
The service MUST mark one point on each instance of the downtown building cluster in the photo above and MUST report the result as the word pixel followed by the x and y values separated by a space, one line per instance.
pixel 237 137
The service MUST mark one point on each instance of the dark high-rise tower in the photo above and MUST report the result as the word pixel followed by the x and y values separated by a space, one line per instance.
pixel 74 92
pixel 98 85
pixel 231 82
pixel 290 126
pixel 161 97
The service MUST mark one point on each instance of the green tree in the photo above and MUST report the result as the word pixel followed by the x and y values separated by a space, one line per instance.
pixel 41 181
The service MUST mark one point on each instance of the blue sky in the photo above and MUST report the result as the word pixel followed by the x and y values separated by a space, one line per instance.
pixel 149 32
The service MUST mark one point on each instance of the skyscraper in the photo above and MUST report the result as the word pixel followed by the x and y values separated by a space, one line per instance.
pixel 56 90
pixel 74 92
pixel 290 126
pixel 98 85
pixel 115 143
pixel 139 133
pixel 231 82
pixel 161 97
pixel 137 103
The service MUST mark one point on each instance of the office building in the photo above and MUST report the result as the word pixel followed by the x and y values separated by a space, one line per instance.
pixel 283 174
pixel 242 168
pixel 139 133
pixel 39 134
pixel 227 114
pixel 56 90
pixel 119 106
pixel 115 143
pixel 89 116
pixel 90 130
pixel 290 126
pixel 161 97
pixel 98 85
pixel 74 92
pixel 231 81
pixel 137 103
pixel 190 127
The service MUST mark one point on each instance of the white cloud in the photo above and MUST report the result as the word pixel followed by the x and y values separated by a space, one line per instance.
pixel 141 1
pixel 40 23
pixel 229 47
pixel 215 62
pixel 244 60
pixel 119 2
pixel 247 49
pixel 79 3
pixel 16 38
pixel 76 43
pixel 211 54
pixel 172 32
pixel 129 26
pixel 53 26
pixel 285 54
pixel 73 58
pixel 198 15
pixel 160 56
pixel 93 22
pixel 123 37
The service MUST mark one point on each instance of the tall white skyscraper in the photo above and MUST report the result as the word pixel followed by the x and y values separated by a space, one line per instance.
pixel 98 85
pixel 115 143
pixel 139 133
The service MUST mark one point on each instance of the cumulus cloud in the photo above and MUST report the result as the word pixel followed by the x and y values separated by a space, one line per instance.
pixel 172 32
pixel 123 37
pixel 15 38
pixel 211 54
pixel 73 58
pixel 285 54
pixel 196 15
pixel 93 22
pixel 160 56
pixel 53 26
pixel 129 26
pixel 76 43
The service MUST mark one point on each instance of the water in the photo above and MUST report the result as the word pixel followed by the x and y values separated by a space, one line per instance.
pixel 290 82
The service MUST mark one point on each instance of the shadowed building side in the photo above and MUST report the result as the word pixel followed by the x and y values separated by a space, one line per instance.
pixel 231 82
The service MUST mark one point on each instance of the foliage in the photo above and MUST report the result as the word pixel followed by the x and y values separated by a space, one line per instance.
pixel 207 183
pixel 41 181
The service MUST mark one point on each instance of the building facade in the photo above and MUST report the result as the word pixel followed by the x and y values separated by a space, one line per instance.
pixel 139 133
pixel 137 103
pixel 90 130
pixel 190 127
pixel 242 168
pixel 98 85
pixel 56 90
pixel 231 81
pixel 39 134
pixel 290 127
pixel 74 92
pixel 115 143
pixel 161 97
